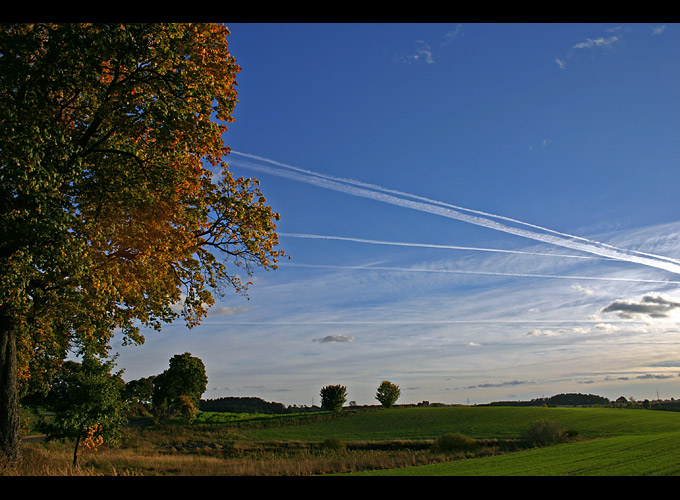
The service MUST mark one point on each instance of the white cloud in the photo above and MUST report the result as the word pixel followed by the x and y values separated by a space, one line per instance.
pixel 453 34
pixel 538 332
pixel 226 310
pixel 423 53
pixel 607 327
pixel 657 30
pixel 542 332
pixel 583 289
pixel 590 43
pixel 596 42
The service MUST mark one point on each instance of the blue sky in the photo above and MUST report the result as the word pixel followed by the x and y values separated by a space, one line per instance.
pixel 475 212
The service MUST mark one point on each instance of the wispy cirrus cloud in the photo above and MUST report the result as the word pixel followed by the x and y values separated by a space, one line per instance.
pixel 601 42
pixel 422 53
pixel 425 53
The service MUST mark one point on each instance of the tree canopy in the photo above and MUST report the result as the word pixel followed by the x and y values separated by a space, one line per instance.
pixel 333 397
pixel 184 382
pixel 116 205
pixel 387 393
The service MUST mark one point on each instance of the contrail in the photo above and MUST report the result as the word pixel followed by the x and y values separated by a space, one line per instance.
pixel 481 273
pixel 378 193
pixel 444 204
pixel 432 245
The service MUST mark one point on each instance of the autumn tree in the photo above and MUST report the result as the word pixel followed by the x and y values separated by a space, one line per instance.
pixel 387 393
pixel 333 397
pixel 115 201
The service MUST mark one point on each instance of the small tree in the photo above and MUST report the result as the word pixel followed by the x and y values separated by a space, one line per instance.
pixel 333 397
pixel 187 409
pixel 87 404
pixel 388 393
pixel 180 386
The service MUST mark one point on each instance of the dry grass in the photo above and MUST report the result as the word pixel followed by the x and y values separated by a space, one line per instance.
pixel 221 451
pixel 137 457
pixel 38 461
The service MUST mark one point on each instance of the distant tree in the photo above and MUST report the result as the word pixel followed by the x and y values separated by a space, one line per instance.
pixel 242 405
pixel 387 393
pixel 138 395
pixel 87 404
pixel 333 397
pixel 139 390
pixel 181 385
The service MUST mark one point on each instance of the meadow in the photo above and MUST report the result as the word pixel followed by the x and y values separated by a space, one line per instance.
pixel 400 441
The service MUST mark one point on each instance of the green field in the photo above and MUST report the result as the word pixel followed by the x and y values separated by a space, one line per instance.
pixel 482 422
pixel 375 441
pixel 613 441
pixel 629 455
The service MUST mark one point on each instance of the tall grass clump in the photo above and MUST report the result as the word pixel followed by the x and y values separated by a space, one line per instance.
pixel 546 433
pixel 333 444
pixel 455 442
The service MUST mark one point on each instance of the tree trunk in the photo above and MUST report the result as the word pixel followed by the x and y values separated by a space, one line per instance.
pixel 9 403
pixel 75 451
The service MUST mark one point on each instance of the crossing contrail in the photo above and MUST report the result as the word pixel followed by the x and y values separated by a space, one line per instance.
pixel 378 193
pixel 432 245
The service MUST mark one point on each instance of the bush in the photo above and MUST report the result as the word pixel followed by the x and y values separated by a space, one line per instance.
pixel 546 433
pixel 455 442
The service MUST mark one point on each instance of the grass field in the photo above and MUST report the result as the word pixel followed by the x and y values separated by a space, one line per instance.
pixel 482 422
pixel 398 441
pixel 630 455
pixel 616 441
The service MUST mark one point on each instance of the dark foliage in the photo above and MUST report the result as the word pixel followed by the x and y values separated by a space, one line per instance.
pixel 571 399
pixel 242 405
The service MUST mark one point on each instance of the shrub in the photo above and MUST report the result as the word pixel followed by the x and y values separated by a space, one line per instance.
pixel 455 442
pixel 546 433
